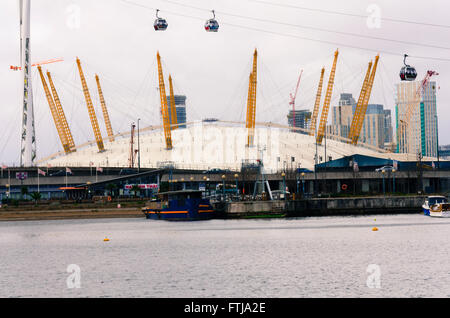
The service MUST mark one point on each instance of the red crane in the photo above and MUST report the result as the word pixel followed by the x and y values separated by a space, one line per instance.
pixel 17 68
pixel 293 97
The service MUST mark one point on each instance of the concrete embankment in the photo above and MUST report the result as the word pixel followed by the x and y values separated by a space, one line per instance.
pixel 322 207
pixel 70 214
pixel 249 209
pixel 355 206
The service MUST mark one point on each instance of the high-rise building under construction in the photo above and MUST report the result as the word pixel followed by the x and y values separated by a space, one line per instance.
pixel 420 134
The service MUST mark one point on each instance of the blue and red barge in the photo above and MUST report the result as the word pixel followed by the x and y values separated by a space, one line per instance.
pixel 184 205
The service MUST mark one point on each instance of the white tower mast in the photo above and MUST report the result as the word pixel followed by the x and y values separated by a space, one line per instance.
pixel 28 138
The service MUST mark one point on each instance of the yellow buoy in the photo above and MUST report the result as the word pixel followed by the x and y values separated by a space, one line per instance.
pixel 375 229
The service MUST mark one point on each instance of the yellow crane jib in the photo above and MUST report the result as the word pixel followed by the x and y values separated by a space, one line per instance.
pixel 108 125
pixel 173 109
pixel 326 104
pixel 90 106
pixel 54 112
pixel 61 115
pixel 357 116
pixel 365 102
pixel 251 101
pixel 315 114
pixel 164 108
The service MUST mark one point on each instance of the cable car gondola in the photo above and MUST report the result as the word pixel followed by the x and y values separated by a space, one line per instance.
pixel 160 23
pixel 212 25
pixel 407 73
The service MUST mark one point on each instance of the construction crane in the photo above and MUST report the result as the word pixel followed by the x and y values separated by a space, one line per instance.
pixel 109 129
pixel 315 114
pixel 61 115
pixel 411 107
pixel 90 106
pixel 18 68
pixel 133 152
pixel 326 104
pixel 293 97
pixel 251 101
pixel 53 110
pixel 173 109
pixel 164 108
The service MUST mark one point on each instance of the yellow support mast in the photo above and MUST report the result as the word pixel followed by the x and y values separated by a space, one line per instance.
pixel 61 115
pixel 362 115
pixel 104 110
pixel 315 114
pixel 90 106
pixel 54 111
pixel 249 98
pixel 164 108
pixel 173 109
pixel 251 101
pixel 357 115
pixel 326 104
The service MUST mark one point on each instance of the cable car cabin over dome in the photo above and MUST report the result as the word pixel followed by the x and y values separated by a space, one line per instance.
pixel 160 23
pixel 212 25
pixel 407 72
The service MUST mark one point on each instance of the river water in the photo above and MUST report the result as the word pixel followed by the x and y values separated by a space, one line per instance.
pixel 300 257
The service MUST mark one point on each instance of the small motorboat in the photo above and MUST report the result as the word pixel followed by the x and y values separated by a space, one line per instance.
pixel 436 206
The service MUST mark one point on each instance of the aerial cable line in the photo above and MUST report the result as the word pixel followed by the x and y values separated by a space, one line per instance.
pixel 350 14
pixel 316 28
pixel 305 38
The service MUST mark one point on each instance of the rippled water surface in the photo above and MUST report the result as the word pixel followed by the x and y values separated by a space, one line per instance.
pixel 302 257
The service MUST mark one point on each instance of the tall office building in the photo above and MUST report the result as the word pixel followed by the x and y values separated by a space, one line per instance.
pixel 180 106
pixel 377 122
pixel 373 129
pixel 419 135
pixel 302 118
pixel 342 116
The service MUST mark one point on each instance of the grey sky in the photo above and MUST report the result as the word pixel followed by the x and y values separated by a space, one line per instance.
pixel 116 40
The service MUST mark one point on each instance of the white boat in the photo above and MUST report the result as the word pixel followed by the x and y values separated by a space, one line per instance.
pixel 436 206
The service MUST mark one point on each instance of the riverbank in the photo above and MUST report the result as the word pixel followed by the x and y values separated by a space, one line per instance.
pixel 95 213
pixel 228 210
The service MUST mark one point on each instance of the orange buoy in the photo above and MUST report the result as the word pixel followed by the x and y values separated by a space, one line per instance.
pixel 375 229
pixel 106 239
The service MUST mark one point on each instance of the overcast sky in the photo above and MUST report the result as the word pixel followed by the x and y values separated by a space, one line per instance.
pixel 116 40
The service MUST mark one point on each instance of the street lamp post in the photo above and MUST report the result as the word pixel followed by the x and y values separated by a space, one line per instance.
pixel 303 183
pixel 284 185
pixel 393 181
pixel 237 185
pixel 384 189
pixel 223 187
pixel 139 148
pixel 192 185
pixel 204 179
